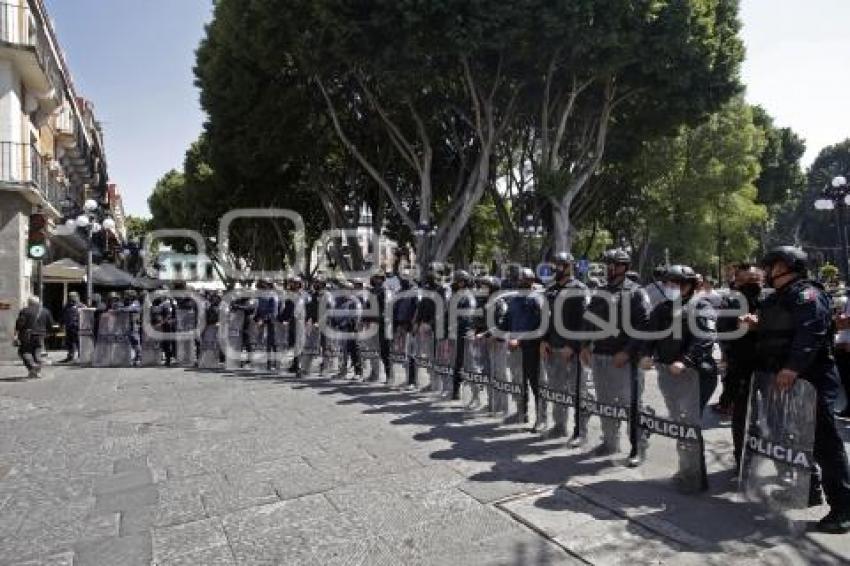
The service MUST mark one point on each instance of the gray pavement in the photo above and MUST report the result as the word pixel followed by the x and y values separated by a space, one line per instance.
pixel 178 466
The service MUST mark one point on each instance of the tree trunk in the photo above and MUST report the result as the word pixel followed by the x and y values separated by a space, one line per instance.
pixel 564 229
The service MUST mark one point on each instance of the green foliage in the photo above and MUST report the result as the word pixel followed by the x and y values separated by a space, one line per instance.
pixel 829 273
pixel 137 226
pixel 270 140
pixel 693 194
pixel 782 177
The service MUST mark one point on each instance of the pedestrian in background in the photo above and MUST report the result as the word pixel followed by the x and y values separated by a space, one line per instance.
pixel 71 323
pixel 33 324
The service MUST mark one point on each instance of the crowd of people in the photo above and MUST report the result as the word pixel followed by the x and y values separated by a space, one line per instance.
pixel 556 345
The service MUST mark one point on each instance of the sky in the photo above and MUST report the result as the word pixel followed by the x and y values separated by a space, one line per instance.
pixel 134 58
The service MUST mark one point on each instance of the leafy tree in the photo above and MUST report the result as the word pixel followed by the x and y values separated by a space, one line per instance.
pixel 817 229
pixel 137 226
pixel 782 176
pixel 421 96
pixel 693 194
pixel 616 73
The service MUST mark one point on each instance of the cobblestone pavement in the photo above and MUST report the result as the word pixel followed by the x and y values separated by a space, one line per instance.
pixel 178 466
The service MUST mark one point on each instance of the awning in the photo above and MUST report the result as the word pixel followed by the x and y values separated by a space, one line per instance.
pixel 107 275
pixel 64 270
pixel 146 283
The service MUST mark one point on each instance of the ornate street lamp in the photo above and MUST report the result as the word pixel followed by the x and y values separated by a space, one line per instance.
pixel 837 197
pixel 87 221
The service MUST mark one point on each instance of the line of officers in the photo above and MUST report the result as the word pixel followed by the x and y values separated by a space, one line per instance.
pixel 789 333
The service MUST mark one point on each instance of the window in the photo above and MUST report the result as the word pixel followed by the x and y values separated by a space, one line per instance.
pixel 209 272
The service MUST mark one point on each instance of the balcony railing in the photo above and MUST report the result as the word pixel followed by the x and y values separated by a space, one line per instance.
pixel 20 28
pixel 22 165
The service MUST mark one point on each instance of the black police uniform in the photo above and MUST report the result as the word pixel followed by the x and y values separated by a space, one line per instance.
pixel 465 328
pixel 741 362
pixel 571 314
pixel 694 350
pixel 627 291
pixel 795 332
pixel 377 300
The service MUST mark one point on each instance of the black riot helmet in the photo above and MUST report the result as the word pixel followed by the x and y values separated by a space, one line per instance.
pixel 527 274
pixel 492 283
pixel 563 259
pixel 681 274
pixel 462 276
pixel 618 256
pixel 793 257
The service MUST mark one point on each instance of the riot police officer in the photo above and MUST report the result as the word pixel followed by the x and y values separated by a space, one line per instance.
pixel 794 341
pixel 740 354
pixel 681 351
pixel 524 317
pixel 614 358
pixel 571 316
pixel 377 301
pixel 461 285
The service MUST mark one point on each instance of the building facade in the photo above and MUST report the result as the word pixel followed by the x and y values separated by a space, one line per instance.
pixel 51 153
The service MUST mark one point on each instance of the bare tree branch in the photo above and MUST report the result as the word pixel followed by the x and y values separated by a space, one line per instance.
pixel 376 176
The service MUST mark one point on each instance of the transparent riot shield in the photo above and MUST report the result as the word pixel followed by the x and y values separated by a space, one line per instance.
pixel 184 353
pixel 671 425
pixel 558 390
pixel 476 370
pixel 506 383
pixel 778 458
pixel 151 351
pixel 86 334
pixel 334 352
pixel 423 353
pixel 279 345
pixel 234 342
pixel 112 346
pixel 370 352
pixel 209 351
pixel 444 362
pixel 499 384
pixel 610 400
pixel 399 357
pixel 312 348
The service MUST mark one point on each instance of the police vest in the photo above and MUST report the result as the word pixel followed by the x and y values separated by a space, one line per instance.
pixel 668 349
pixel 775 333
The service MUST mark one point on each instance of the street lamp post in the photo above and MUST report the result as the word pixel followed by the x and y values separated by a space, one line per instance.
pixel 837 197
pixel 532 229
pixel 87 221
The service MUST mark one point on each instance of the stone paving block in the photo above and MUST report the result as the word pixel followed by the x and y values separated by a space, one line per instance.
pixel 129 499
pixel 273 547
pixel 608 541
pixel 189 538
pixel 180 500
pixel 213 556
pixel 231 497
pixel 276 515
pixel 358 552
pixel 59 559
pixel 450 535
pixel 133 550
pixel 558 512
pixel 267 471
pixel 302 481
pixel 139 463
pixel 522 547
pixel 54 526
pixel 123 481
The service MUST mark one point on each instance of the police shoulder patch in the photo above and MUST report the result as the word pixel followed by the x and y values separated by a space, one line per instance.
pixel 808 295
